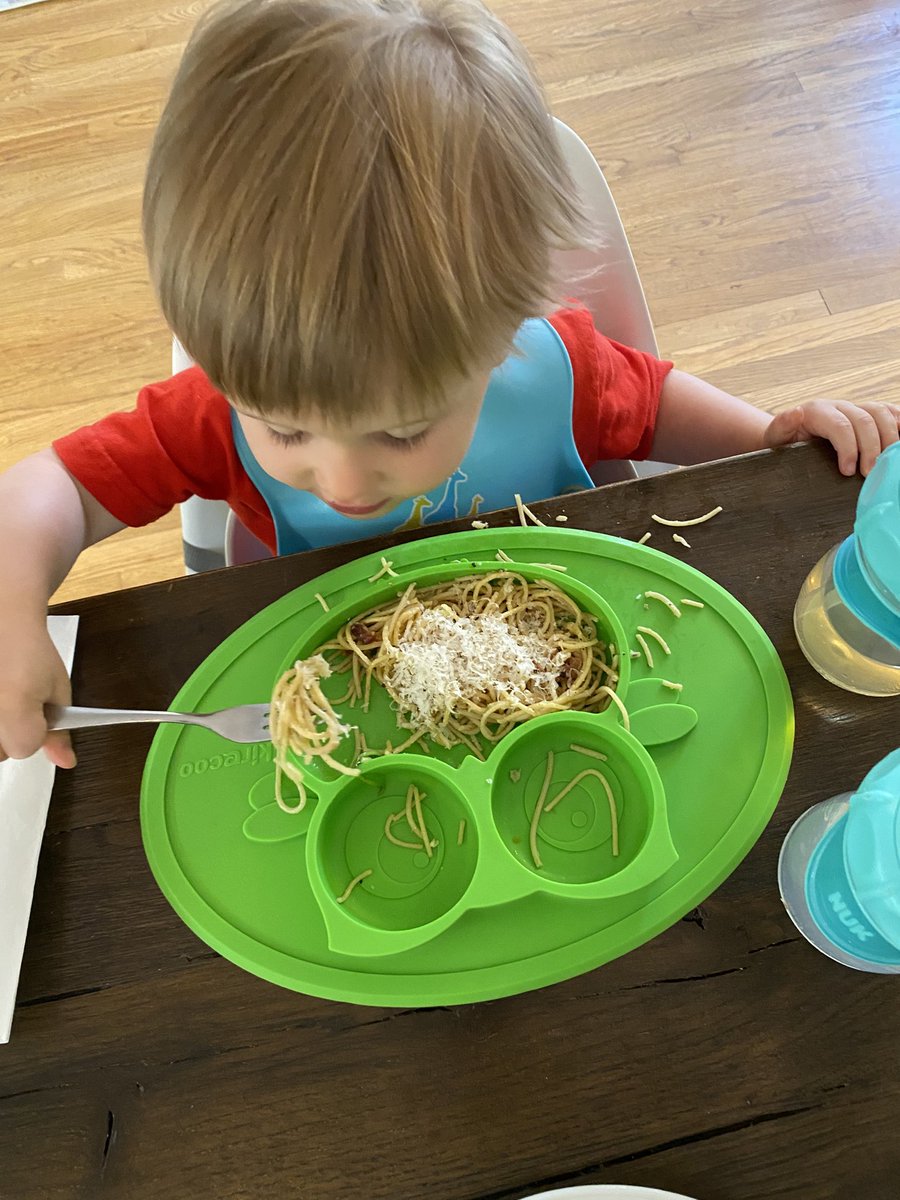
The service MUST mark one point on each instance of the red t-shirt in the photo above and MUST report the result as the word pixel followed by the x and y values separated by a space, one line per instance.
pixel 178 441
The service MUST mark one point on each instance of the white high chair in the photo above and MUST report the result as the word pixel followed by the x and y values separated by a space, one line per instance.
pixel 605 280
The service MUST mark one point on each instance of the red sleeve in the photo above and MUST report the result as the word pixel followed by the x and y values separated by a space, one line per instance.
pixel 176 443
pixel 616 390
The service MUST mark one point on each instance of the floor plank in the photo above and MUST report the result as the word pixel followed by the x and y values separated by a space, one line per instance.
pixel 752 149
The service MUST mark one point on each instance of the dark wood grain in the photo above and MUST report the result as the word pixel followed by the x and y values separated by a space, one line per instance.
pixel 726 1059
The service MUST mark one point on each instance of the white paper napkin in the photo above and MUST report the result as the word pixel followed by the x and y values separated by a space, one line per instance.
pixel 25 787
pixel 4 4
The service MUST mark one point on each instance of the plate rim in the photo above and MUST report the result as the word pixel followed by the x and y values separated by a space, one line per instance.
pixel 486 982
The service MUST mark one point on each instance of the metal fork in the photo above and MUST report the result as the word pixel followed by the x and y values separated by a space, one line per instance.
pixel 245 723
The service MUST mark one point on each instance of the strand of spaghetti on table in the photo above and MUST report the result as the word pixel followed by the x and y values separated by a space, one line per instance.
pixel 713 512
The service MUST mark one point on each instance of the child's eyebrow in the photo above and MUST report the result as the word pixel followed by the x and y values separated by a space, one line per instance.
pixel 409 426
pixel 401 428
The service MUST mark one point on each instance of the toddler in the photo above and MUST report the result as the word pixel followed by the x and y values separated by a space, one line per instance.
pixel 352 213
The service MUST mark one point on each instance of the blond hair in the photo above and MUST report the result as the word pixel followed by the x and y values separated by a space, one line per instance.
pixel 353 200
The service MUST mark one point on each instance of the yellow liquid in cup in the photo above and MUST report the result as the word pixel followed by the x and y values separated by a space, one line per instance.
pixel 840 647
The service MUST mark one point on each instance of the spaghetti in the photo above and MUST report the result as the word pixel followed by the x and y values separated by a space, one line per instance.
pixel 613 815
pixel 647 652
pixel 302 721
pixel 345 894
pixel 588 751
pixel 387 568
pixel 538 809
pixel 713 512
pixel 542 805
pixel 392 819
pixel 664 599
pixel 626 720
pixel 461 661
pixel 658 636
pixel 477 656
pixel 415 819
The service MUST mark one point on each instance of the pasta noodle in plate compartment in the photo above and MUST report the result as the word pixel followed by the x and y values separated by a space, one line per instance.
pixel 461 661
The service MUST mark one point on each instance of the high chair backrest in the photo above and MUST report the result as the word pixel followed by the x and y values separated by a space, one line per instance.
pixel 604 279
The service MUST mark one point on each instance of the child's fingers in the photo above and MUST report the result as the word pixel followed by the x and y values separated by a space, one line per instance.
pixel 887 418
pixel 825 420
pixel 23 733
pixel 58 748
pixel 867 432
pixel 786 427
pixel 58 743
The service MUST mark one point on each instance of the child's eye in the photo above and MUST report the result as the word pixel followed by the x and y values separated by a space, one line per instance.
pixel 403 443
pixel 287 439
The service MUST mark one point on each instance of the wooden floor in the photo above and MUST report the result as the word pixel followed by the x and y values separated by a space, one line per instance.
pixel 753 147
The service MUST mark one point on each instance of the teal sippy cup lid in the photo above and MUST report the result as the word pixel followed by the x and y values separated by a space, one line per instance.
pixel 867 566
pixel 872 847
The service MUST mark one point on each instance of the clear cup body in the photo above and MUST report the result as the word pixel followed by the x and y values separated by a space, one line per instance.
pixel 842 648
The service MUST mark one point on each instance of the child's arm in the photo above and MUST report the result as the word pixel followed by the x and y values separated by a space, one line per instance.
pixel 697 422
pixel 46 520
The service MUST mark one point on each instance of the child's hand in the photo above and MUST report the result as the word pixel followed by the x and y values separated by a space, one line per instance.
pixel 31 675
pixel 858 432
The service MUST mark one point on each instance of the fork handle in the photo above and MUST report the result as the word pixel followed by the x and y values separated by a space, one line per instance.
pixel 59 717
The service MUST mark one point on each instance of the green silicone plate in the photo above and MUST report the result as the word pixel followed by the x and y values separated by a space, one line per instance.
pixel 692 782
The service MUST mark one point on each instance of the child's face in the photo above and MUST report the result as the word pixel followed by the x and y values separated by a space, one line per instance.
pixel 367 468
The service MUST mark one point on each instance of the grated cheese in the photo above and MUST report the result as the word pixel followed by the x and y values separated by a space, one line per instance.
pixel 442 658
pixel 480 525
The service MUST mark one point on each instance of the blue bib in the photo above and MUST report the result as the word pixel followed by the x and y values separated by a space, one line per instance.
pixel 523 442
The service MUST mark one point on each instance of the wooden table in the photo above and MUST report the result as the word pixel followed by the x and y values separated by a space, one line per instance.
pixel 726 1059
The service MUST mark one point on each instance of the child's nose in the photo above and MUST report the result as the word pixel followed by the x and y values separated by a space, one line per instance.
pixel 342 476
